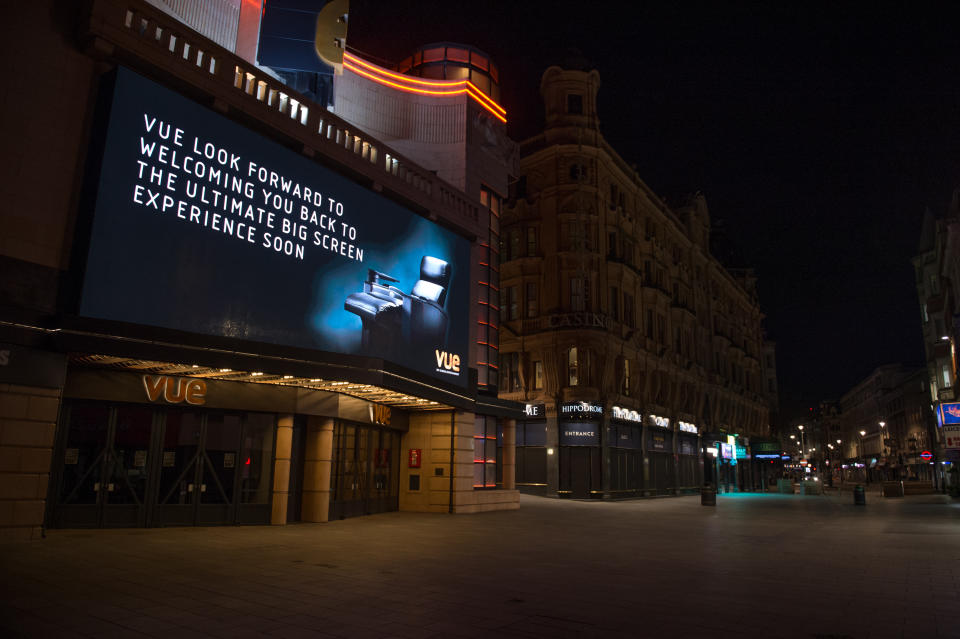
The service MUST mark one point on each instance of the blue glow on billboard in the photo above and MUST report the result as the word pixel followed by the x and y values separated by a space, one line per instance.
pixel 948 414
pixel 204 226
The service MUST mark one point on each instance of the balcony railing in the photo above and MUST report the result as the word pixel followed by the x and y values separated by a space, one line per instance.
pixel 134 32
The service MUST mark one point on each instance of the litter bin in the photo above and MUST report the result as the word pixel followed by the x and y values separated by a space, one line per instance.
pixel 859 496
pixel 708 495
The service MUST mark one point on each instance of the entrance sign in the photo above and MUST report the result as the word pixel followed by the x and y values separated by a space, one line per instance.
pixel 926 455
pixel 579 434
pixel 204 226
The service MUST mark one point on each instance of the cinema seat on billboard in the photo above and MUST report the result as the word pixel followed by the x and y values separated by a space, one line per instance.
pixel 391 318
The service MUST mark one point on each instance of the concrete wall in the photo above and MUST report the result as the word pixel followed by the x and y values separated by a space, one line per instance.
pixel 42 124
pixel 28 417
pixel 430 432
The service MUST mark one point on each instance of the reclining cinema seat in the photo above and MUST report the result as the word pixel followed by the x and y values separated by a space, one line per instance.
pixel 428 319
pixel 379 307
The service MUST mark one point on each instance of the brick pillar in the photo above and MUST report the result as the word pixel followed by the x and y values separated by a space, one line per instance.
pixel 317 466
pixel 28 417
pixel 510 454
pixel 281 470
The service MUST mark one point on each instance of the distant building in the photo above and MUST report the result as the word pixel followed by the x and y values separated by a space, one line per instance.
pixel 937 269
pixel 885 426
pixel 633 347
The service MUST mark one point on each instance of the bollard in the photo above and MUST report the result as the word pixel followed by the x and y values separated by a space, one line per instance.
pixel 859 496
pixel 708 495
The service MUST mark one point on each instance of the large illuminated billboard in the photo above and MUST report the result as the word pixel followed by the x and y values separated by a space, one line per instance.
pixel 202 225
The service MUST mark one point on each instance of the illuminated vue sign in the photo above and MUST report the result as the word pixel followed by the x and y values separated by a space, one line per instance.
pixel 202 225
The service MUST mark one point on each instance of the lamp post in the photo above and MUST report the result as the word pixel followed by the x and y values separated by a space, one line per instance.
pixel 863 459
pixel 803 450
pixel 840 460
pixel 883 445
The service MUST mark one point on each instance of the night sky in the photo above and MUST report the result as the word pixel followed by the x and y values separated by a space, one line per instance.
pixel 819 133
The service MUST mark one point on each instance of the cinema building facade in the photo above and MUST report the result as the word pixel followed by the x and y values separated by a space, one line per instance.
pixel 222 303
pixel 638 353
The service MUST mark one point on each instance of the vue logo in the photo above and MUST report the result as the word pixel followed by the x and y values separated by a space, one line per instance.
pixel 175 389
pixel 447 362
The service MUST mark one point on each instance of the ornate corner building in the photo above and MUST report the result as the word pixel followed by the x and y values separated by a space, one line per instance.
pixel 639 356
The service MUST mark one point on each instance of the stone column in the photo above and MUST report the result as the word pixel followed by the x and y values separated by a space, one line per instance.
pixel 317 467
pixel 281 470
pixel 510 454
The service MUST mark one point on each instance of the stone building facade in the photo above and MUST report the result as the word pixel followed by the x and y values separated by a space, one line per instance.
pixel 633 347
pixel 885 426
pixel 937 270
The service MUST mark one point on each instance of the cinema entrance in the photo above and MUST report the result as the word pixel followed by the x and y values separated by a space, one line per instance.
pixel 141 465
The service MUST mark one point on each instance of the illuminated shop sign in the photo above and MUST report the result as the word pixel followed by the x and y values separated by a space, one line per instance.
pixel 581 409
pixel 201 225
pixel 766 456
pixel 726 451
pixel 657 420
pixel 948 414
pixel 687 427
pixel 535 411
pixel 741 451
pixel 579 434
pixel 951 436
pixel 626 414
pixel 659 442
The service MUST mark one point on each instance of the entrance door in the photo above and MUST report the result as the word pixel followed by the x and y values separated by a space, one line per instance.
pixel 104 480
pixel 365 476
pixel 198 469
pixel 580 476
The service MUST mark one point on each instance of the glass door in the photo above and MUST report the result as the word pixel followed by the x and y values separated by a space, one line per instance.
pixel 104 477
pixel 78 503
pixel 198 469
pixel 218 469
pixel 127 460
pixel 365 477
pixel 179 469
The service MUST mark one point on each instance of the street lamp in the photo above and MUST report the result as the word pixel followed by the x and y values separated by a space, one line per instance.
pixel 883 446
pixel 863 459
pixel 800 428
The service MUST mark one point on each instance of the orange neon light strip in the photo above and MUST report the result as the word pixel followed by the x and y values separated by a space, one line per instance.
pixel 406 79
pixel 409 84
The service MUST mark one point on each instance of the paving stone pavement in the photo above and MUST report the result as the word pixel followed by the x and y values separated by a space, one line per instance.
pixel 757 565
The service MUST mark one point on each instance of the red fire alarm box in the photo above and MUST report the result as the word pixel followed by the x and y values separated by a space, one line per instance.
pixel 413 458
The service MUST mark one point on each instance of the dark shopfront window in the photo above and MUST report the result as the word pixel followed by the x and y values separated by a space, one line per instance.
pixel 626 457
pixel 531 453
pixel 688 461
